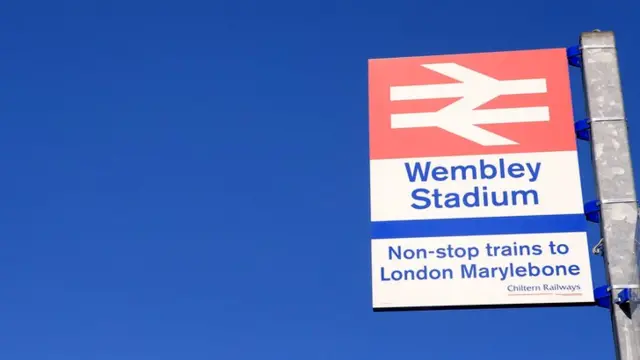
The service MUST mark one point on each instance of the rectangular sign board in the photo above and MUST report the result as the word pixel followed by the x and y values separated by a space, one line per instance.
pixel 475 188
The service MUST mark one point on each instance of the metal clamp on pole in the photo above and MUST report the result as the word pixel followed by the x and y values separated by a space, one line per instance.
pixel 592 208
pixel 574 55
pixel 624 296
pixel 582 128
pixel 617 212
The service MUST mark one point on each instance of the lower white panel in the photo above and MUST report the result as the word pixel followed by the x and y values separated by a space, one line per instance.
pixel 481 270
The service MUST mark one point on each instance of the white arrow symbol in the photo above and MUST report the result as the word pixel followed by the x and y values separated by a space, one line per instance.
pixel 475 89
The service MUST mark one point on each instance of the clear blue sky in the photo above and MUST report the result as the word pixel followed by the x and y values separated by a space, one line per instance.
pixel 189 179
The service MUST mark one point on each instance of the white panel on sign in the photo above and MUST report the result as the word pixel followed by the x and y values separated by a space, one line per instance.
pixel 480 270
pixel 475 186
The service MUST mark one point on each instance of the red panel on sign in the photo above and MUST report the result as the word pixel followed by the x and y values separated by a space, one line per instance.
pixel 470 104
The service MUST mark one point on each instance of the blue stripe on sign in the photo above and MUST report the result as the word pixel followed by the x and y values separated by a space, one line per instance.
pixel 479 226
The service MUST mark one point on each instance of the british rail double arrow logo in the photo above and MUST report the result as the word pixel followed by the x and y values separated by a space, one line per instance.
pixel 474 89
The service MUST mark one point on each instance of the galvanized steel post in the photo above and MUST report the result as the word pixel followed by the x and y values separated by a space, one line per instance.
pixel 615 186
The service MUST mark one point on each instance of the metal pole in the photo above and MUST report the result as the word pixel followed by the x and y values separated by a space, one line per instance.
pixel 615 186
